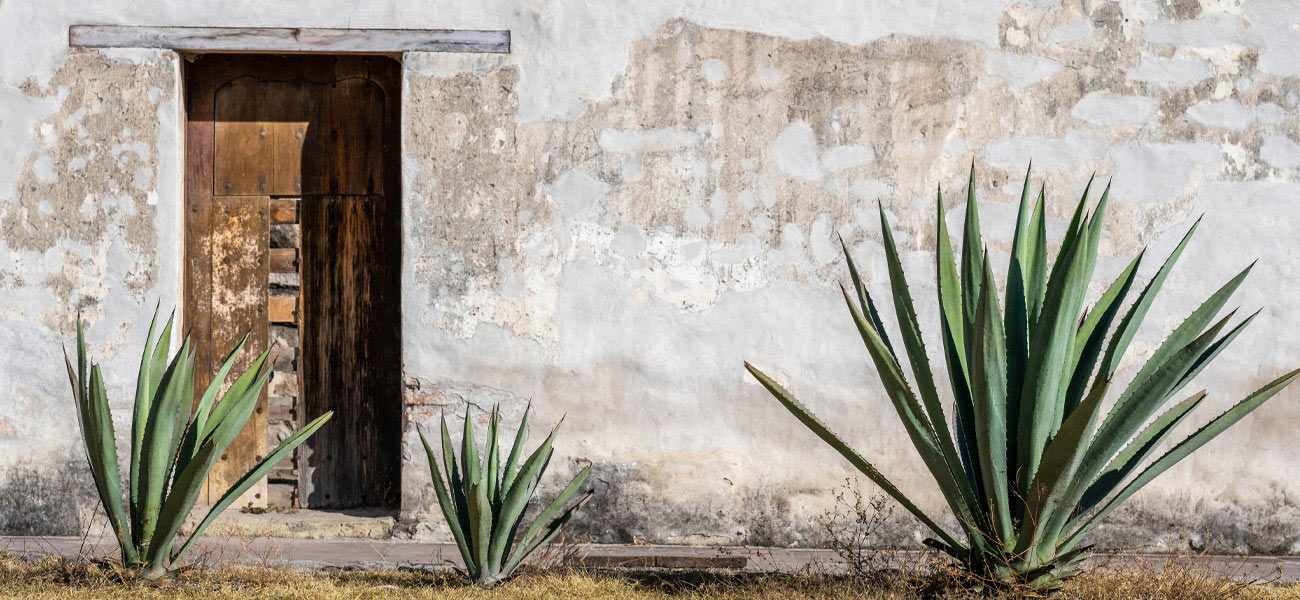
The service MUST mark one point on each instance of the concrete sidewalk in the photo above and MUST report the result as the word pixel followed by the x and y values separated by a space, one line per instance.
pixel 394 554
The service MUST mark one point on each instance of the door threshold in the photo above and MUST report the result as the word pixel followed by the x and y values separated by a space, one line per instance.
pixel 301 523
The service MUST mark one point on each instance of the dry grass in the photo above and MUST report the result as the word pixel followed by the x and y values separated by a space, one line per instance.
pixel 51 579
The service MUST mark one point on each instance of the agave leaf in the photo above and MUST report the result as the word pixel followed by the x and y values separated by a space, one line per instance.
pixel 101 451
pixel 552 529
pixel 516 499
pixel 1021 241
pixel 181 417
pixel 864 296
pixel 470 467
pixel 1036 279
pixel 918 426
pixel 156 456
pixel 144 391
pixel 480 518
pixel 516 450
pixel 987 352
pixel 952 332
pixel 1128 326
pixel 251 477
pixel 950 293
pixel 1016 319
pixel 444 499
pixel 1051 342
pixel 813 423
pixel 972 254
pixel 917 357
pixel 458 485
pixel 1137 451
pixel 1184 448
pixel 1092 333
pixel 493 473
pixel 544 518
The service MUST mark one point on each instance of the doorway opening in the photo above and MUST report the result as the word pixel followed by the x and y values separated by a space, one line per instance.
pixel 293 236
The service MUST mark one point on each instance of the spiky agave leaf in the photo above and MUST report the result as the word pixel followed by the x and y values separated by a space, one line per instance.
pixel 1034 461
pixel 485 509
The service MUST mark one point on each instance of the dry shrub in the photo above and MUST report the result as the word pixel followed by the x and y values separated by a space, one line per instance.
pixel 1172 578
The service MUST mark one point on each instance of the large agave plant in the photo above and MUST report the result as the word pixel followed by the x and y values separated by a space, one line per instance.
pixel 483 501
pixel 172 448
pixel 1035 462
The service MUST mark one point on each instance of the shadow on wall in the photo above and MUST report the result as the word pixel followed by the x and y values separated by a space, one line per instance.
pixel 45 501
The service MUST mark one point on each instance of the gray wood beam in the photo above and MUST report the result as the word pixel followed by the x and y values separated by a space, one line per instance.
pixel 289 39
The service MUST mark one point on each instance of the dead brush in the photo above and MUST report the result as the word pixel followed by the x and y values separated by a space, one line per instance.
pixel 854 530
pixel 1179 577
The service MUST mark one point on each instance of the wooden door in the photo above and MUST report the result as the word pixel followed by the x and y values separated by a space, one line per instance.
pixel 293 223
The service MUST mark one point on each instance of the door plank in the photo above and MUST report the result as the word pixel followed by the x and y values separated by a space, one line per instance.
pixel 196 309
pixel 240 238
pixel 350 318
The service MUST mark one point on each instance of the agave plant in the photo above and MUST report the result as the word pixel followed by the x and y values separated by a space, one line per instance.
pixel 483 501
pixel 1035 462
pixel 172 448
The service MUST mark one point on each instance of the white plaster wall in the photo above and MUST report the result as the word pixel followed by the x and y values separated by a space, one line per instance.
pixel 635 261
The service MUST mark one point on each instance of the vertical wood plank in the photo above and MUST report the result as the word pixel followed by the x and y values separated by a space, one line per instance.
pixel 240 244
pixel 350 286
pixel 197 264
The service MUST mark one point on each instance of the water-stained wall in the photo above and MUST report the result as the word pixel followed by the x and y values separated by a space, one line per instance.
pixel 607 221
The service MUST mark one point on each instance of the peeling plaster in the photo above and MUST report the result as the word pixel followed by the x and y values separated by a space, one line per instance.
pixel 690 221
pixel 607 224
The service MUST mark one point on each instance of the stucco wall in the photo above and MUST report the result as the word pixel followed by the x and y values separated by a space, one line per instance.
pixel 608 220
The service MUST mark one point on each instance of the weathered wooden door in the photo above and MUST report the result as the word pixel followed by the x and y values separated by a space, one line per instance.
pixel 293 226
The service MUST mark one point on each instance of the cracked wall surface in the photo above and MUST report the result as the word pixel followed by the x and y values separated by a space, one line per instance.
pixel 607 221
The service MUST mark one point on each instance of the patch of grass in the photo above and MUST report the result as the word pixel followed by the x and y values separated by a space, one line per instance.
pixel 53 579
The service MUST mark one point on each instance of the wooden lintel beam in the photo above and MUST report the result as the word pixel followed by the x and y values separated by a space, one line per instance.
pixel 290 39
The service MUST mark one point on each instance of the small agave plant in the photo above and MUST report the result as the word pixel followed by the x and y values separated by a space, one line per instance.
pixel 174 444
pixel 483 501
pixel 1035 462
